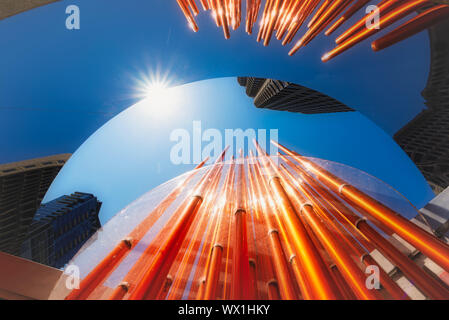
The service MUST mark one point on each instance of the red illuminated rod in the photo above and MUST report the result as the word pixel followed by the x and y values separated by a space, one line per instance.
pixel 422 21
pixel 422 240
pixel 286 17
pixel 256 228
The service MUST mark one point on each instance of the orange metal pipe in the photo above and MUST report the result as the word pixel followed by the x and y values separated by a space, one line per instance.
pixel 213 267
pixel 194 7
pixel 266 270
pixel 189 253
pixel 273 20
pixel 315 29
pixel 270 206
pixel 428 285
pixel 221 12
pixel 431 246
pixel 318 277
pixel 391 286
pixel 240 288
pixel 154 276
pixel 278 257
pixel 390 18
pixel 422 280
pixel 346 16
pixel 384 7
pixel 110 262
pixel 188 15
pixel 419 23
pixel 100 272
pixel 338 252
pixel 319 12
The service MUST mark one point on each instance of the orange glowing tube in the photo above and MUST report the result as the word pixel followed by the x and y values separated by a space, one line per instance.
pixel 278 257
pixel 101 271
pixel 241 274
pixel 342 284
pixel 319 24
pixel 120 291
pixel 431 246
pixel 319 12
pixel 205 4
pixel 387 20
pixel 318 278
pixel 273 20
pixel 293 14
pixel 422 280
pixel 428 285
pixel 155 274
pixel 221 12
pixel 395 255
pixel 384 7
pixel 249 11
pixel 110 262
pixel 283 10
pixel 261 230
pixel 193 6
pixel 422 21
pixel 285 19
pixel 304 14
pixel 213 267
pixel 346 16
pixel 327 21
pixel 266 18
pixel 188 15
pixel 391 286
pixel 338 251
pixel 193 245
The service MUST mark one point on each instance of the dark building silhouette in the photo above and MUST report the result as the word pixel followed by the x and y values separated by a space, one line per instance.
pixel 22 187
pixel 60 227
pixel 287 96
pixel 426 138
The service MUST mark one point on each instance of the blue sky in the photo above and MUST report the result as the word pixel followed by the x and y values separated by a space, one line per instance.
pixel 130 154
pixel 58 86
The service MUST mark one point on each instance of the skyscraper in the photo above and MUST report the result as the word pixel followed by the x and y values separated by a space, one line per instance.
pixel 23 185
pixel 426 138
pixel 287 96
pixel 60 227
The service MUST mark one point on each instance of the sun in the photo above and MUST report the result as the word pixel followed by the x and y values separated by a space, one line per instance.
pixel 157 91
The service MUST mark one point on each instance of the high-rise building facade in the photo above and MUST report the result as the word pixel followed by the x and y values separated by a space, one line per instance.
pixel 60 227
pixel 426 138
pixel 23 185
pixel 11 7
pixel 287 96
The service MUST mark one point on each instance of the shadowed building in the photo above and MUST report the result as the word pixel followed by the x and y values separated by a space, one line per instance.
pixel 60 227
pixel 426 138
pixel 22 187
pixel 287 96
pixel 11 7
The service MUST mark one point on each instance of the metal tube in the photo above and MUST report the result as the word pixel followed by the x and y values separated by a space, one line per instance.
pixel 431 246
pixel 419 23
pixel 154 275
pixel 338 251
pixel 395 15
pixel 240 287
pixel 109 263
pixel 318 278
pixel 346 16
